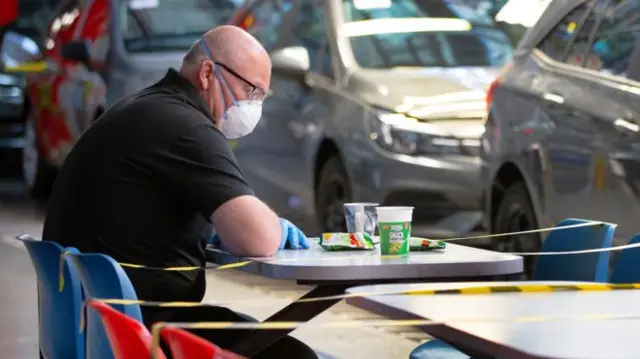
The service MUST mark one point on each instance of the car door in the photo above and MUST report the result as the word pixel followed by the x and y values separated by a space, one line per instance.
pixel 612 82
pixel 571 147
pixel 301 109
pixel 266 21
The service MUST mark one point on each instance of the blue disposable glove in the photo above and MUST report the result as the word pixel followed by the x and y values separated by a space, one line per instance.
pixel 215 241
pixel 292 237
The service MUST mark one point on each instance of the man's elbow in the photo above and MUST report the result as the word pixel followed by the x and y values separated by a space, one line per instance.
pixel 267 246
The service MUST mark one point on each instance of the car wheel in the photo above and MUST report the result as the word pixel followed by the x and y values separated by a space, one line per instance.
pixel 37 173
pixel 515 214
pixel 332 192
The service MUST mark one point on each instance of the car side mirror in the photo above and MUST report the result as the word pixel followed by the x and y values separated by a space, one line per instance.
pixel 291 61
pixel 16 48
pixel 76 51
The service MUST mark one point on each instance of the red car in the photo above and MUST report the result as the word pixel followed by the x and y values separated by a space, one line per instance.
pixel 98 51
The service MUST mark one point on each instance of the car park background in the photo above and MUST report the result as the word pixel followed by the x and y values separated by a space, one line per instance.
pixel 18 213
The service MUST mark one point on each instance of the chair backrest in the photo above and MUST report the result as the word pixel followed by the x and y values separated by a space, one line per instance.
pixel 103 278
pixel 627 266
pixel 185 345
pixel 590 267
pixel 58 311
pixel 128 338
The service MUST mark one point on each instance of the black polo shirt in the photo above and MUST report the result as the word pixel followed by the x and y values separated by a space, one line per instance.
pixel 141 184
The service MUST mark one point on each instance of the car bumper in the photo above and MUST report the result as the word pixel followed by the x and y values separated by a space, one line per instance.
pixel 444 190
pixel 11 126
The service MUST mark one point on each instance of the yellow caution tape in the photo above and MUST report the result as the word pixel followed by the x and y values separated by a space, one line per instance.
pixel 531 231
pixel 25 67
pixel 382 322
pixel 471 290
pixel 140 266
pixel 184 269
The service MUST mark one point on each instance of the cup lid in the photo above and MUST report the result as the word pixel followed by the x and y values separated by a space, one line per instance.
pixel 394 208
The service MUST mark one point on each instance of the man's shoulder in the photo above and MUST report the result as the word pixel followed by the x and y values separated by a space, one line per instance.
pixel 163 103
pixel 160 111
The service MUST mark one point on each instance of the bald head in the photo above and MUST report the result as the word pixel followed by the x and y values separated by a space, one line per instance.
pixel 236 49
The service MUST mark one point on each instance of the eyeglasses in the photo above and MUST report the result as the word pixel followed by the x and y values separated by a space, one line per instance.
pixel 255 94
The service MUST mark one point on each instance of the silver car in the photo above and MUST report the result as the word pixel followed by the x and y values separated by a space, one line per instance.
pixel 373 101
pixel 562 137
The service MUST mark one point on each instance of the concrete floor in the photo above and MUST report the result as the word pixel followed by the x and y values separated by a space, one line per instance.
pixel 18 307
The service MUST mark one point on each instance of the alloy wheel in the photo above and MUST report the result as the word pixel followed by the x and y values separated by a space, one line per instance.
pixel 334 200
pixel 517 221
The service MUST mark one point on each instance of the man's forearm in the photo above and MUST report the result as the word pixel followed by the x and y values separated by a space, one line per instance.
pixel 247 227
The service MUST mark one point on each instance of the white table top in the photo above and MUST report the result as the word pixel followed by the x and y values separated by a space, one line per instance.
pixel 562 338
pixel 317 264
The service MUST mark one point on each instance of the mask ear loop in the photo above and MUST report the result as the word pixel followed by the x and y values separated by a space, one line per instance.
pixel 221 80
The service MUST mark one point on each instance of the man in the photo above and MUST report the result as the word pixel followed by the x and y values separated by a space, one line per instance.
pixel 146 182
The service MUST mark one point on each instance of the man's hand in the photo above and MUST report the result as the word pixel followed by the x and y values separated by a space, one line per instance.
pixel 292 236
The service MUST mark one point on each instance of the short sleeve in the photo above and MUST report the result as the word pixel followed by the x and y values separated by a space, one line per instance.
pixel 201 170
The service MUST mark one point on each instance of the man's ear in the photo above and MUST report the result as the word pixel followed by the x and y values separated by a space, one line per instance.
pixel 205 74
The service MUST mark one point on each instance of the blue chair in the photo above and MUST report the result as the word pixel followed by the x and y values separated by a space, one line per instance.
pixel 58 311
pixel 103 278
pixel 589 267
pixel 627 267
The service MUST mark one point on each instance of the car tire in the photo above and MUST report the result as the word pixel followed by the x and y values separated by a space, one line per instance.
pixel 515 213
pixel 38 175
pixel 332 192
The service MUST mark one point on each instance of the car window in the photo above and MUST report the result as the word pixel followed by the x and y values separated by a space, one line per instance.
pixel 420 33
pixel 576 24
pixel 309 29
pixel 156 27
pixel 264 20
pixel 616 37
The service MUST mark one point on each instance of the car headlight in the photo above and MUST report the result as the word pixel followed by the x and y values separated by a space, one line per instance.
pixel 402 134
pixel 11 88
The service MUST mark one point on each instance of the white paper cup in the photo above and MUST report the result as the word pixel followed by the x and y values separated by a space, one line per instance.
pixel 394 214
pixel 394 228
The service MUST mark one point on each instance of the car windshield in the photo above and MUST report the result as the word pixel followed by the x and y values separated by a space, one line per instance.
pixel 422 33
pixel 164 25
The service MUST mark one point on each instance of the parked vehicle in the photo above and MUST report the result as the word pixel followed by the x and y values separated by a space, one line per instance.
pixel 562 137
pixel 11 100
pixel 98 51
pixel 18 35
pixel 373 101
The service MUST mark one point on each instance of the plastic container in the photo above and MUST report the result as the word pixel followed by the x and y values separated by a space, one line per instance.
pixel 394 228
pixel 360 217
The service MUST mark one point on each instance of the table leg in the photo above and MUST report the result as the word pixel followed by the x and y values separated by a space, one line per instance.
pixel 258 340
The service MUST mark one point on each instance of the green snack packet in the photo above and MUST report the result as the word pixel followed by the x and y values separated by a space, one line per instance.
pixel 423 244
pixel 346 241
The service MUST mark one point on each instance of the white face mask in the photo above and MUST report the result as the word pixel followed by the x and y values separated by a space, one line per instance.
pixel 241 118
